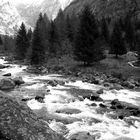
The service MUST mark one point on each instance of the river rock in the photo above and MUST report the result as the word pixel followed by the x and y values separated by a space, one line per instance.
pixel 3 66
pixel 124 109
pixel 84 136
pixel 100 91
pixel 93 97
pixel 93 104
pixel 40 98
pixel 128 84
pixel 7 74
pixel 94 81
pixel 52 83
pixel 7 84
pixel 102 106
pixel 106 84
pixel 18 122
pixel 59 127
pixel 26 99
pixel 116 87
pixel 61 83
pixel 18 80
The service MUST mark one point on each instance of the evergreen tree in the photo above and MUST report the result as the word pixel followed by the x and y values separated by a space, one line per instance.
pixel 69 29
pixel 29 34
pixel 38 50
pixel 117 41
pixel 60 23
pixel 22 43
pixel 53 40
pixel 1 42
pixel 138 45
pixel 105 30
pixel 129 33
pixel 9 44
pixel 86 48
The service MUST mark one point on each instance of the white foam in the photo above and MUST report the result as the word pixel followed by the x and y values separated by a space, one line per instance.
pixel 81 116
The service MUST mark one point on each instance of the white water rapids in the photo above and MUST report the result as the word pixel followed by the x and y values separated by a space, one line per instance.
pixel 69 116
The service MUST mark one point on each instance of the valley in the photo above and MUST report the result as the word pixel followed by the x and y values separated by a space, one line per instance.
pixel 69 111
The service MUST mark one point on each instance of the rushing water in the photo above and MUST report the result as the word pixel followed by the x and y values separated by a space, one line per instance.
pixel 72 117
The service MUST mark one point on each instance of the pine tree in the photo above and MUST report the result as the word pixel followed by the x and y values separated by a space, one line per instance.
pixel 53 40
pixel 105 30
pixel 117 41
pixel 86 48
pixel 60 23
pixel 29 34
pixel 22 43
pixel 1 42
pixel 69 29
pixel 129 33
pixel 38 50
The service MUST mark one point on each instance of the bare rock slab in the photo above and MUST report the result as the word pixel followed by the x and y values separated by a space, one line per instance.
pixel 18 122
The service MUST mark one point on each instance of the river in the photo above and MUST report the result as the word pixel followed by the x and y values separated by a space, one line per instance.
pixel 72 117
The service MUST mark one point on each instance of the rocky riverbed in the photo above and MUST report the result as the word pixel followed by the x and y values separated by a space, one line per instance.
pixel 78 107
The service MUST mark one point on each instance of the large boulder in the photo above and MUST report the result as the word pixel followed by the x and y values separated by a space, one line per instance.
pixel 128 84
pixel 52 83
pixel 3 66
pixel 93 97
pixel 18 80
pixel 18 122
pixel 7 84
pixel 7 74
pixel 84 136
pixel 124 109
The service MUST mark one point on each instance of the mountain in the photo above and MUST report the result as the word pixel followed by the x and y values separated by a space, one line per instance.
pixel 105 8
pixel 31 11
pixel 11 16
pixel 10 20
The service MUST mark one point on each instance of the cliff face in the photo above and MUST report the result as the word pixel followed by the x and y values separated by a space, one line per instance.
pixel 10 20
pixel 50 7
pixel 105 8
pixel 12 16
pixel 18 122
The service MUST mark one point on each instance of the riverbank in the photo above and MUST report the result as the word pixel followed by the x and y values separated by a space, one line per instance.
pixel 79 105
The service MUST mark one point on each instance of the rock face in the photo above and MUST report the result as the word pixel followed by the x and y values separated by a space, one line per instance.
pixel 31 11
pixel 10 20
pixel 7 84
pixel 18 122
pixel 104 8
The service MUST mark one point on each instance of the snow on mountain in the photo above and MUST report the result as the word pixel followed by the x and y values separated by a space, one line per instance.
pixel 10 20
pixel 14 12
pixel 31 11
pixel 65 3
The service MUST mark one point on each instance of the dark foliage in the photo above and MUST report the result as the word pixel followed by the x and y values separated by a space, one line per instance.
pixel 105 30
pixel 38 50
pixel 129 33
pixel 1 42
pixel 53 40
pixel 117 41
pixel 86 48
pixel 22 43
